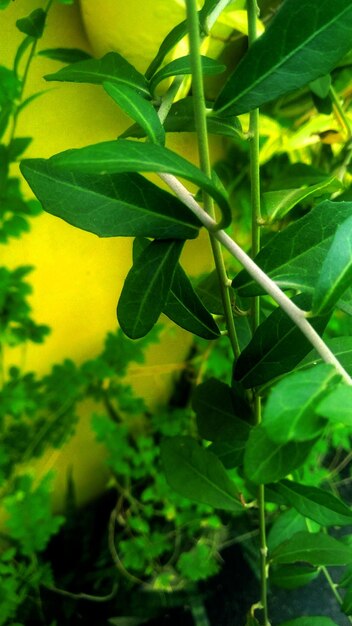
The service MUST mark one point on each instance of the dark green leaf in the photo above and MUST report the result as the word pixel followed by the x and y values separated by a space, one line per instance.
pixel 146 287
pixel 267 462
pixel 294 256
pixel 347 602
pixel 123 205
pixel 276 204
pixel 340 346
pixel 172 38
pixel 17 146
pixel 112 68
pixel 130 156
pixel 313 548
pixel 337 406
pixel 182 66
pixel 4 4
pixel 310 621
pixel 65 55
pixel 292 52
pixel 180 119
pixel 208 290
pixel 336 272
pixel 290 411
pixel 24 45
pixel 277 347
pixel 292 576
pixel 286 524
pixel 138 108
pixel 34 24
pixel 183 305
pixel 197 474
pixel 317 504
pixel 321 86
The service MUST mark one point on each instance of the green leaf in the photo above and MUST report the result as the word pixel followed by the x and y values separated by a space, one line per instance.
pixel 199 563
pixel 340 346
pixel 219 411
pixel 316 504
pixel 310 621
pixel 4 4
pixel 276 204
pixel 321 86
pixel 119 205
pixel 336 272
pixel 112 68
pixel 294 256
pixel 139 109
pixel 290 411
pixel 347 602
pixel 17 146
pixel 337 406
pixel 286 524
pixel 277 347
pixel 180 119
pixel 24 45
pixel 292 576
pixel 34 24
pixel 183 305
pixel 197 474
pixel 171 40
pixel 292 52
pixel 130 156
pixel 314 548
pixel 65 55
pixel 267 462
pixel 182 66
pixel 147 286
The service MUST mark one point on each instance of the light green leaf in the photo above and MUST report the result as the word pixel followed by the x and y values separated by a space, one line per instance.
pixel 292 52
pixel 310 621
pixel 286 524
pixel 197 474
pixel 112 68
pixel 112 157
pixel 118 205
pixel 139 109
pixel 321 86
pixel 314 548
pixel 294 256
pixel 277 347
pixel 317 504
pixel 146 287
pixel 182 66
pixel 276 204
pixel 266 461
pixel 336 272
pixel 183 305
pixel 289 414
pixel 337 406
pixel 292 576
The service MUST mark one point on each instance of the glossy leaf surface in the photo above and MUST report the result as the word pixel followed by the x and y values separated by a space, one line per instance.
pixel 146 287
pixel 289 414
pixel 317 504
pixel 138 108
pixel 118 205
pixel 197 474
pixel 303 42
pixel 294 256
pixel 130 156
pixel 313 548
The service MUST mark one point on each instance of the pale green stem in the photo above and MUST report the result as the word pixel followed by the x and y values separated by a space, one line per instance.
pixel 205 165
pixel 340 113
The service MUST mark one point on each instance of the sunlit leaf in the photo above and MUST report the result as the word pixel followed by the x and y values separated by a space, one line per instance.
pixel 182 66
pixel 337 406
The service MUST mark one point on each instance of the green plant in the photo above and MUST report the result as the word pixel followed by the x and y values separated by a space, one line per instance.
pixel 290 387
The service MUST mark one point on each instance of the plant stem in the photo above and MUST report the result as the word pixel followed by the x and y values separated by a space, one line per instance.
pixel 333 588
pixel 340 113
pixel 298 316
pixel 205 166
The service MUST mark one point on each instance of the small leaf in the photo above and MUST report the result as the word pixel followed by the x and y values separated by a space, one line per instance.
pixel 171 40
pixel 314 548
pixel 197 474
pixel 336 272
pixel 267 462
pixel 119 205
pixel 292 576
pixel 65 55
pixel 17 146
pixel 34 24
pixel 316 504
pixel 337 406
pixel 290 411
pixel 310 621
pixel 182 66
pixel 146 287
pixel 139 109
pixel 130 156
pixel 321 86
pixel 277 347
pixel 347 602
pixel 294 256
pixel 112 68
pixel 292 52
